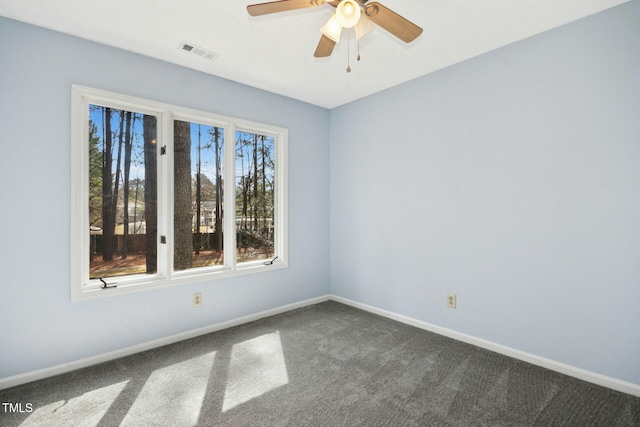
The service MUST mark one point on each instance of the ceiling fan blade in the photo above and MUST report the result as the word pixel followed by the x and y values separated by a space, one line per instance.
pixel 325 47
pixel 400 27
pixel 281 6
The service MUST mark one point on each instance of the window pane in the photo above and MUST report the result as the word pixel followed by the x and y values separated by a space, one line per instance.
pixel 255 180
pixel 198 184
pixel 122 192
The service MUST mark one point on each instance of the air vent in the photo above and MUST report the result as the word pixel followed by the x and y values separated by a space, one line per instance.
pixel 196 50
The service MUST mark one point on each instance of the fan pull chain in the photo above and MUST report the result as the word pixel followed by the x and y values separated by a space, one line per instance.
pixel 348 49
pixel 358 39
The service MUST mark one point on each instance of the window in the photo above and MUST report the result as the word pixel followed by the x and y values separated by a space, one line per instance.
pixel 163 195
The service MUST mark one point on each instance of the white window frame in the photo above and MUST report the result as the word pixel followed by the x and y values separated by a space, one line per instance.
pixel 84 288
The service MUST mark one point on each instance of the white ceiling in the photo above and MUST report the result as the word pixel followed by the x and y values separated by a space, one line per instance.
pixel 275 52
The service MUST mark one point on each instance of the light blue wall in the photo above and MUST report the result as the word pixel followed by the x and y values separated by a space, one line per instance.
pixel 39 326
pixel 512 180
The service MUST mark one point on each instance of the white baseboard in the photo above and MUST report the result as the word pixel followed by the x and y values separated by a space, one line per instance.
pixel 592 377
pixel 15 380
pixel 582 374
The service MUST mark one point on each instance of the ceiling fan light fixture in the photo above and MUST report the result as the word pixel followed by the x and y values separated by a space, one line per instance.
pixel 332 29
pixel 348 13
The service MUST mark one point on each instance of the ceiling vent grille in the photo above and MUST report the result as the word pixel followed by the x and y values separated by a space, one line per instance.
pixel 197 50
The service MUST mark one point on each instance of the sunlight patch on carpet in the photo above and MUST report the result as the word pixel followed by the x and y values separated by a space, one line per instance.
pixel 92 404
pixel 257 366
pixel 174 393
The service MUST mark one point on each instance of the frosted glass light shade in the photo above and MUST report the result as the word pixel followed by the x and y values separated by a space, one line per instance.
pixel 363 27
pixel 348 13
pixel 332 29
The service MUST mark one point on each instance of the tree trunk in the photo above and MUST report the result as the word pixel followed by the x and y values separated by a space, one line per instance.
pixel 128 145
pixel 265 230
pixel 108 211
pixel 255 183
pixel 198 198
pixel 182 220
pixel 218 223
pixel 116 181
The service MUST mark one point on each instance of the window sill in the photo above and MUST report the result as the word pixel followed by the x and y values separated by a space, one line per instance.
pixel 94 291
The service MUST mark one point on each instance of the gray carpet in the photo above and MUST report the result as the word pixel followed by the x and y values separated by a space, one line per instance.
pixel 324 365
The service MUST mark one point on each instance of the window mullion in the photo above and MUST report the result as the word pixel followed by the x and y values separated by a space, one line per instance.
pixel 281 200
pixel 165 195
pixel 80 192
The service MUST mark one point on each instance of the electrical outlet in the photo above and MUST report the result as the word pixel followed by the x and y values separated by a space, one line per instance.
pixel 196 300
pixel 451 300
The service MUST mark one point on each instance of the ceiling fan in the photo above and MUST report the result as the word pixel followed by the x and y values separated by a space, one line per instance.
pixel 349 14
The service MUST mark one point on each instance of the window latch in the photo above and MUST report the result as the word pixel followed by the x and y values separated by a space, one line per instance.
pixel 271 262
pixel 105 285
